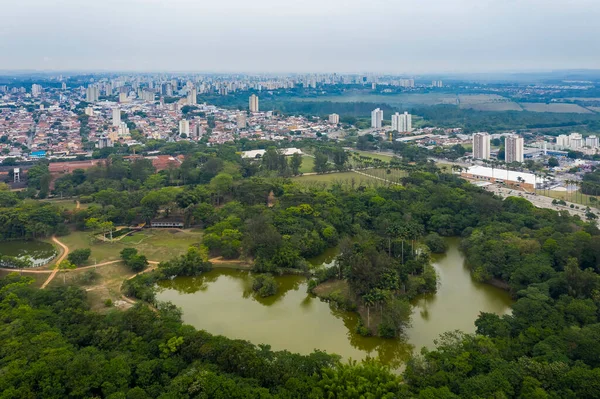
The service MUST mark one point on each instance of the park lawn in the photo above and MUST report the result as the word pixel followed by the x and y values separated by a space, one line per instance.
pixel 157 244
pixel 383 157
pixel 394 176
pixel 575 197
pixel 340 177
pixel 68 204
pixel 308 164
pixel 107 285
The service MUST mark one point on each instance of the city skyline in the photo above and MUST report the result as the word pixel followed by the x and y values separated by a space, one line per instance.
pixel 458 36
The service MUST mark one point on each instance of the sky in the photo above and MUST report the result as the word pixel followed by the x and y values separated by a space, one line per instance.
pixel 281 36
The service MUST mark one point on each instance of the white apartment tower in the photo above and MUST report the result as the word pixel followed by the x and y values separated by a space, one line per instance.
pixel 192 98
pixel 591 141
pixel 92 94
pixel 334 119
pixel 376 118
pixel 402 122
pixel 481 146
pixel 184 127
pixel 514 149
pixel 253 103
pixel 241 120
pixel 116 117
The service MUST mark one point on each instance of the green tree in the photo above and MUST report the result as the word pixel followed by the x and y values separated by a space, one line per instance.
pixel 296 164
pixel 79 256
pixel 65 266
pixel 321 161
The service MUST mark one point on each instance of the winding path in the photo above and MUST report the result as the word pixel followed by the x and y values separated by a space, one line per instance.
pixel 60 259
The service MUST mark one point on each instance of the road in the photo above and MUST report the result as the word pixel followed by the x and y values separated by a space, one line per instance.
pixel 540 201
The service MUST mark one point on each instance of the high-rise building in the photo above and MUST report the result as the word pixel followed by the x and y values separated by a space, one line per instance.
pixel 575 141
pixel 376 118
pixel 402 122
pixel 184 127
pixel 92 94
pixel 334 119
pixel 192 98
pixel 116 117
pixel 123 98
pixel 253 103
pixel 36 90
pixel 514 148
pixel 591 141
pixel 481 146
pixel 63 86
pixel 562 141
pixel 197 131
pixel 437 83
pixel 104 142
pixel 241 120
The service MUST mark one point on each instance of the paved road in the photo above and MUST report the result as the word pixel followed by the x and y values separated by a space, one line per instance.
pixel 540 201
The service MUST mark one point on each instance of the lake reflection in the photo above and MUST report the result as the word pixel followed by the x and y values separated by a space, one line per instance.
pixel 222 302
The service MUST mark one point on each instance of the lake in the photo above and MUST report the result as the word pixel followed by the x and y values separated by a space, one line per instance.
pixel 40 252
pixel 222 302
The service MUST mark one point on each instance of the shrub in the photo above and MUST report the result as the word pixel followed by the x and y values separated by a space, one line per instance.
pixel 264 285
pixel 79 256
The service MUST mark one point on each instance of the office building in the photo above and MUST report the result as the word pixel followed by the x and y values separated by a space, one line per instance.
pixel 591 141
pixel 92 94
pixel 184 127
pixel 481 146
pixel 241 120
pixel 514 148
pixel 253 103
pixel 116 117
pixel 376 118
pixel 402 122
pixel 334 119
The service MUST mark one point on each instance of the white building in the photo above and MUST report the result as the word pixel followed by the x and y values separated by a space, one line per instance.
pixel 402 122
pixel 376 118
pixel 184 127
pixel 116 117
pixel 514 148
pixel 591 141
pixel 123 98
pixel 192 98
pixel 253 103
pixel 89 111
pixel 575 141
pixel 92 94
pixel 481 145
pixel 241 120
pixel 334 119
pixel 562 141
pixel 259 153
pixel 36 90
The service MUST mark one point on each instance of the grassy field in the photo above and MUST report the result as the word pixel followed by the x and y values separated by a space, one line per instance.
pixel 342 178
pixel 394 175
pixel 555 107
pixel 156 244
pixel 383 157
pixel 68 204
pixel 308 163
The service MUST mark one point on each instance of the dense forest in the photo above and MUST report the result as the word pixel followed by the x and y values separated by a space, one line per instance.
pixel 549 347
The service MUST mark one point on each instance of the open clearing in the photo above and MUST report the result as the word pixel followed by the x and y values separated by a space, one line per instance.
pixel 555 107
pixel 157 244
pixel 308 164
pixel 341 178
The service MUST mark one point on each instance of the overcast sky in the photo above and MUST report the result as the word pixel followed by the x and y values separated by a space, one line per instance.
pixel 395 36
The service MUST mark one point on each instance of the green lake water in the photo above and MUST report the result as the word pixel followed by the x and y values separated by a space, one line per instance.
pixel 40 252
pixel 221 302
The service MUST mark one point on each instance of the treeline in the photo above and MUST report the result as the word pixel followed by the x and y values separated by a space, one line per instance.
pixel 140 353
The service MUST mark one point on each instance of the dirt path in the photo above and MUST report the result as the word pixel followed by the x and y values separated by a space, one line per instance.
pixel 77 204
pixel 62 257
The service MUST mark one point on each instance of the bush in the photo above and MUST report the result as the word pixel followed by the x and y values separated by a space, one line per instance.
pixel 264 285
pixel 436 244
pixel 108 303
pixel 89 277
pixel 127 253
pixel 79 256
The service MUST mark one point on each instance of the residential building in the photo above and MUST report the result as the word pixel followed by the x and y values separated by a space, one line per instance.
pixel 562 141
pixel 92 94
pixel 514 148
pixel 197 131
pixel 184 127
pixel 36 90
pixel 192 98
pixel 116 117
pixel 241 120
pixel 89 111
pixel 123 98
pixel 402 122
pixel 334 119
pixel 481 146
pixel 575 141
pixel 253 103
pixel 376 118
pixel 104 142
pixel 591 141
